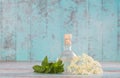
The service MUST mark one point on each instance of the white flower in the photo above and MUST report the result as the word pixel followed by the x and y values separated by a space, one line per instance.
pixel 84 65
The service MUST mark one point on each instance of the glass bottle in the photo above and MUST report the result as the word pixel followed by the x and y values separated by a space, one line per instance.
pixel 68 53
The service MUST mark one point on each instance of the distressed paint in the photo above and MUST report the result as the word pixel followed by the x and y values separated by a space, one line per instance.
pixel 23 30
pixel 118 31
pixel 39 32
pixel 0 30
pixel 32 29
pixel 95 29
pixel 8 31
pixel 109 22
pixel 39 29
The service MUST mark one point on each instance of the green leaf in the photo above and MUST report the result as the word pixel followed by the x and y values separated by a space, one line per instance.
pixel 59 62
pixel 38 69
pixel 49 67
pixel 45 61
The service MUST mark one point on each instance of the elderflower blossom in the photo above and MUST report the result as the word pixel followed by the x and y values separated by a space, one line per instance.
pixel 84 65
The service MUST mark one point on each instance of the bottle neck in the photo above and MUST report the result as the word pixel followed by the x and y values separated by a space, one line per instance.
pixel 67 47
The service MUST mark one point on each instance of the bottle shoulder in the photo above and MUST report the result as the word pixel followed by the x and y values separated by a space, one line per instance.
pixel 68 53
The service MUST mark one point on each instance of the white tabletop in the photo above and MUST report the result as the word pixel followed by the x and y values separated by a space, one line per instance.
pixel 24 70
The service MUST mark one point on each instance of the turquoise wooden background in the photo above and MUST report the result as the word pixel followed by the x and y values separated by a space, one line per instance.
pixel 32 29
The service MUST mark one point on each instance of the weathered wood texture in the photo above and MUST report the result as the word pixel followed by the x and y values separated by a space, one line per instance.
pixel 24 70
pixel 32 29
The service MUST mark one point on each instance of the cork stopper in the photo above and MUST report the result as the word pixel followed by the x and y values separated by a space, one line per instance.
pixel 67 39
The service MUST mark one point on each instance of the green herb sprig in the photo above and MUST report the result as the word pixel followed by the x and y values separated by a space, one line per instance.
pixel 49 67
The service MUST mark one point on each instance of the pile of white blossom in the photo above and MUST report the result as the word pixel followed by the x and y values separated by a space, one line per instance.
pixel 84 65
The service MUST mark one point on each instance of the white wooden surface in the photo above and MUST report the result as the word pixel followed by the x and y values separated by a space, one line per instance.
pixel 24 70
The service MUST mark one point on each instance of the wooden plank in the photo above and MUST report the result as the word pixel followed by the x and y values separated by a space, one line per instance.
pixel 9 31
pixel 118 32
pixel 54 36
pixel 109 20
pixel 39 31
pixel 95 29
pixel 80 26
pixel 1 30
pixel 23 31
